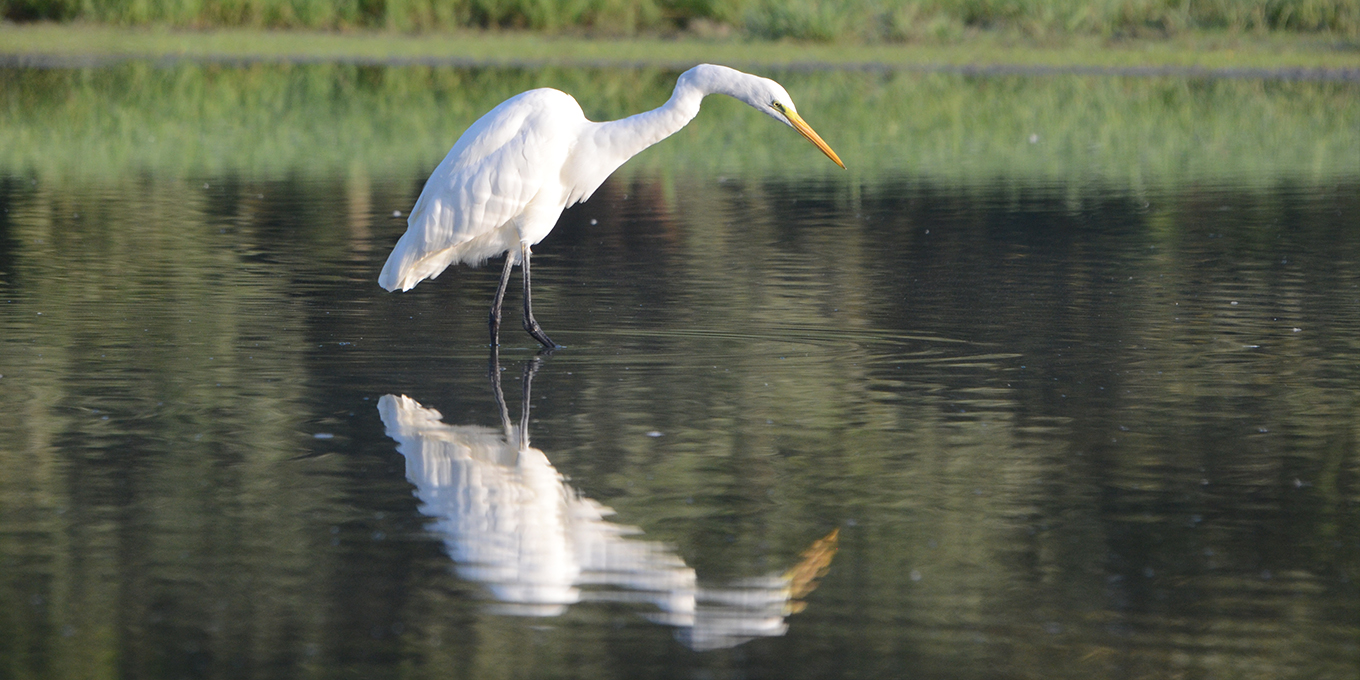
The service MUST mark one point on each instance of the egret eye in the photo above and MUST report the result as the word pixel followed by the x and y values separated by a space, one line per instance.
pixel 777 106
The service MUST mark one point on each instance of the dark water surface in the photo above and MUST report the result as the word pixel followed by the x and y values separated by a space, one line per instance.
pixel 800 429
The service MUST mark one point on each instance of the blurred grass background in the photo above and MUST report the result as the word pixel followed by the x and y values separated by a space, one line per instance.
pixel 272 120
pixel 858 21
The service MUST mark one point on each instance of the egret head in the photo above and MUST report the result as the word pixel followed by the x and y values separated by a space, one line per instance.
pixel 762 94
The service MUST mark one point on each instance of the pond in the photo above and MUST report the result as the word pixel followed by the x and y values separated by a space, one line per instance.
pixel 1059 380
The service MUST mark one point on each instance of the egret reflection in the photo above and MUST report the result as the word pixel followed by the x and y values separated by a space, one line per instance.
pixel 511 522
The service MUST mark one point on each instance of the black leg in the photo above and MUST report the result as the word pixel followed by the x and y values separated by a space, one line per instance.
pixel 530 369
pixel 493 371
pixel 500 296
pixel 530 324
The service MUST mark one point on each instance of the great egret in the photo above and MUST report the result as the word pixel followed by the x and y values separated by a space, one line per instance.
pixel 512 173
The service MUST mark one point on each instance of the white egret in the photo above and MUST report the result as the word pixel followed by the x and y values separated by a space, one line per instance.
pixel 507 180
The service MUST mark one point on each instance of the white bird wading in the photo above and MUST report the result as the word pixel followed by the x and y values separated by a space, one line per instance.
pixel 507 180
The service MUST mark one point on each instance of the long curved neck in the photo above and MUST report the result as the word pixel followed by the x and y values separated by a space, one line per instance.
pixel 627 137
pixel 603 147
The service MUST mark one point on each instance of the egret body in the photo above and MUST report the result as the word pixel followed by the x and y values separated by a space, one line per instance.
pixel 507 180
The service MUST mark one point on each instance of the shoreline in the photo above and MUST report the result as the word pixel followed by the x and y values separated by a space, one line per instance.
pixel 1271 57
pixel 982 69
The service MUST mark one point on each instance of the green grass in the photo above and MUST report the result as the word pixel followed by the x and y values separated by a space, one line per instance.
pixel 1198 50
pixel 196 119
pixel 282 114
pixel 819 20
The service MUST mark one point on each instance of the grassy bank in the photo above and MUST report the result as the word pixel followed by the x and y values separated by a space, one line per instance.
pixel 865 21
pixel 193 119
pixel 78 43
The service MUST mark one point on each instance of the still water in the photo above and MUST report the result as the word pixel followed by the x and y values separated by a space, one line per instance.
pixel 868 426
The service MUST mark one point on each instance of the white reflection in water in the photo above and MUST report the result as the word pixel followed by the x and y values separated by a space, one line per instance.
pixel 512 523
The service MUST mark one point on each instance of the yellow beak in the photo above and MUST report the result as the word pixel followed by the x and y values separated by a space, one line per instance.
pixel 806 130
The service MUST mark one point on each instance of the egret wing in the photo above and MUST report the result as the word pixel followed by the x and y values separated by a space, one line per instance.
pixel 470 207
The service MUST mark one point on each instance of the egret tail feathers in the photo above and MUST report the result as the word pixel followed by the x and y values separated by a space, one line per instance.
pixel 407 265
pixel 411 260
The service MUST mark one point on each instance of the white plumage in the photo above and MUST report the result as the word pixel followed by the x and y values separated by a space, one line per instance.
pixel 507 180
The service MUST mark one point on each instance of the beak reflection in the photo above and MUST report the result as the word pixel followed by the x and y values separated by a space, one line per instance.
pixel 512 524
